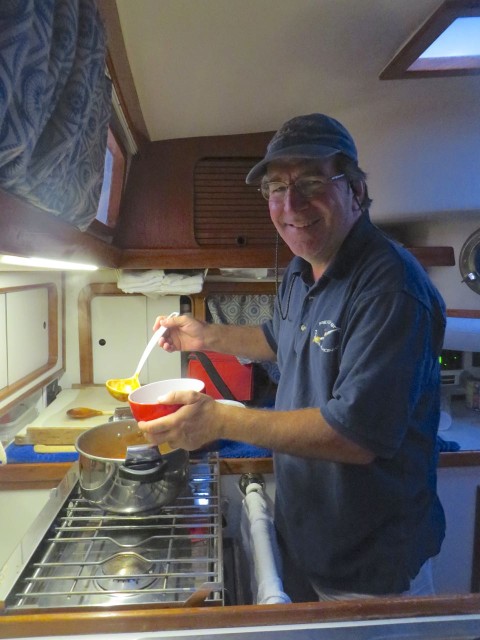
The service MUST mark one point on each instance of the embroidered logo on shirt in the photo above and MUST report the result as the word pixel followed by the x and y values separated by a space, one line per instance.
pixel 326 335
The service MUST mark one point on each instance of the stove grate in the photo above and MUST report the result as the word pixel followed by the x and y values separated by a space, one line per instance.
pixel 92 557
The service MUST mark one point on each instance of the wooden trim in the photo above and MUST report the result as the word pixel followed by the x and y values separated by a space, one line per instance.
pixel 117 184
pixel 463 313
pixel 42 475
pixel 434 256
pixel 247 256
pixel 52 357
pixel 29 231
pixel 34 474
pixel 459 459
pixel 400 65
pixel 121 72
pixel 475 584
pixel 235 466
pixel 197 258
pixel 152 617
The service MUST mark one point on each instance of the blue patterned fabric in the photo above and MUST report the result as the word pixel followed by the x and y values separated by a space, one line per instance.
pixel 54 105
pixel 244 309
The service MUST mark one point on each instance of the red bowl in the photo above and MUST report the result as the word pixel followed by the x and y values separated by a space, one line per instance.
pixel 144 400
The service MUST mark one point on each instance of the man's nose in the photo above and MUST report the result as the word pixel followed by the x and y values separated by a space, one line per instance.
pixel 294 200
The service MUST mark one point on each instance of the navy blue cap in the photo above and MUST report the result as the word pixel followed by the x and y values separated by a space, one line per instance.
pixel 310 137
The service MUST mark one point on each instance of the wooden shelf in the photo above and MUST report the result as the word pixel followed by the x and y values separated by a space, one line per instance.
pixel 28 231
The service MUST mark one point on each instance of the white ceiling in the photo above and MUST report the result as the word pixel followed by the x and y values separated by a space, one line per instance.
pixel 208 67
pixel 219 67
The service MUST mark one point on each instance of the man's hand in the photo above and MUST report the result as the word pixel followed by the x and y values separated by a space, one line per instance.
pixel 196 423
pixel 184 333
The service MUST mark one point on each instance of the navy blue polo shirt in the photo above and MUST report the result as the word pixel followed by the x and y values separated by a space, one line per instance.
pixel 361 344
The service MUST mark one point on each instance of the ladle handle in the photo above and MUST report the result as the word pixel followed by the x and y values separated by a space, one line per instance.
pixel 153 341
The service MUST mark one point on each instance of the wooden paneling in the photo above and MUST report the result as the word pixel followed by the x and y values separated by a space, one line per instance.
pixel 28 231
pixel 158 205
pixel 227 211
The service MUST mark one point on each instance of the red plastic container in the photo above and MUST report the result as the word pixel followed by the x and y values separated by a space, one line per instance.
pixel 238 377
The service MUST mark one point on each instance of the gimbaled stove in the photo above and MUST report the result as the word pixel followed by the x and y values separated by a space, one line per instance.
pixel 77 555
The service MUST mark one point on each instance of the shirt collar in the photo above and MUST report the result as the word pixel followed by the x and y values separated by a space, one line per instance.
pixel 358 236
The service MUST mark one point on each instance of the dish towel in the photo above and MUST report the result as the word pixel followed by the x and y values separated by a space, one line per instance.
pixel 157 282
pixel 258 537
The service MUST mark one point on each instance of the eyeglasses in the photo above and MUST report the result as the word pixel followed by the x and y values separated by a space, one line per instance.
pixel 308 187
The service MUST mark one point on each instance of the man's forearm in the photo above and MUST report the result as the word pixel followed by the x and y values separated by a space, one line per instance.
pixel 302 432
pixel 244 341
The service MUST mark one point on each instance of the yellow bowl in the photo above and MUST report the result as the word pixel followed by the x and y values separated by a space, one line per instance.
pixel 120 388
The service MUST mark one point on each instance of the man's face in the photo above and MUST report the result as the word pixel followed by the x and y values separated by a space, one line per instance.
pixel 313 228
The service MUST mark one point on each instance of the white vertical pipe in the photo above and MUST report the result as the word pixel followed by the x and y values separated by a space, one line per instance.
pixel 259 536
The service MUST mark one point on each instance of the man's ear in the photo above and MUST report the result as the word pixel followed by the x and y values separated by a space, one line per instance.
pixel 358 188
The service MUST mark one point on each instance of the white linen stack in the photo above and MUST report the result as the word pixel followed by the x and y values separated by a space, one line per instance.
pixel 258 537
pixel 155 282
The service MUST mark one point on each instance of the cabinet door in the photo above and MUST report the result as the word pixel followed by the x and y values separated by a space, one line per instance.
pixel 3 343
pixel 160 364
pixel 119 336
pixel 27 332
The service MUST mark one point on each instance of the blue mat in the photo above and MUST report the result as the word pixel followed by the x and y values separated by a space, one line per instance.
pixel 232 449
pixel 24 453
pixel 18 454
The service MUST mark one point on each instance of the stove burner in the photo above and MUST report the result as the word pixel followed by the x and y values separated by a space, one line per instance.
pixel 130 572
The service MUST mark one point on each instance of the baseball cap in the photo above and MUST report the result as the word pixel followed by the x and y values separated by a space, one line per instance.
pixel 311 136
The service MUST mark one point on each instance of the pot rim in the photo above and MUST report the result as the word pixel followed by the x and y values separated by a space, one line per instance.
pixel 104 459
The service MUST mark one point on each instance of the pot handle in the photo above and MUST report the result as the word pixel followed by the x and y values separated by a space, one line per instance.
pixel 143 463
pixel 142 474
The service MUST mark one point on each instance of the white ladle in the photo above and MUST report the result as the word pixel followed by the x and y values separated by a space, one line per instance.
pixel 120 388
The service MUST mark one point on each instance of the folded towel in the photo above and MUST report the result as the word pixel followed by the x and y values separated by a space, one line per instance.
pixel 156 282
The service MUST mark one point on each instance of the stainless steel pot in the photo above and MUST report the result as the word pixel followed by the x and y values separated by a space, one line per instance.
pixel 110 481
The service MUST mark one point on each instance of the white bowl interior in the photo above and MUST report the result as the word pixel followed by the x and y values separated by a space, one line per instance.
pixel 150 393
pixel 233 403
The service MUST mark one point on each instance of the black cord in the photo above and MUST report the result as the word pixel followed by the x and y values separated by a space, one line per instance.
pixel 292 281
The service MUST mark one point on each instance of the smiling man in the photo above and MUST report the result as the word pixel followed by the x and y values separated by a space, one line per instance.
pixel 357 331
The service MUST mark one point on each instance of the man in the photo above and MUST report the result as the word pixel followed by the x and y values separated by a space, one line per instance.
pixel 357 331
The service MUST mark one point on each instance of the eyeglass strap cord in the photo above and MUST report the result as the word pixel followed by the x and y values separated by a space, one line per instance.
pixel 292 281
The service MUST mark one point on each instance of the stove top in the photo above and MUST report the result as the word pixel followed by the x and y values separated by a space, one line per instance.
pixel 90 557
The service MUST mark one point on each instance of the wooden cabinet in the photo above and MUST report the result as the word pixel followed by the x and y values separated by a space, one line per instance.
pixel 27 331
pixel 114 329
pixel 186 204
pixel 119 332
pixel 28 334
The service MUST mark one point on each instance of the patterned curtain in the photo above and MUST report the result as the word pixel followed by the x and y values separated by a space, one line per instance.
pixel 54 105
pixel 246 309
